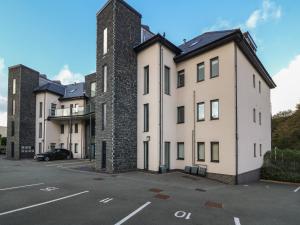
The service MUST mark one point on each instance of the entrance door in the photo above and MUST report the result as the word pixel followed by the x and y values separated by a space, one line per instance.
pixel 12 149
pixel 167 155
pixel 146 155
pixel 103 154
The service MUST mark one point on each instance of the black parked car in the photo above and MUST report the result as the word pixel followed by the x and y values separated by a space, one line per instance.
pixel 54 154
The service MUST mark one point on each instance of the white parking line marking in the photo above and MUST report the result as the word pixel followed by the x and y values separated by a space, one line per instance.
pixel 24 186
pixel 49 189
pixel 297 189
pixel 237 221
pixel 106 200
pixel 133 213
pixel 43 203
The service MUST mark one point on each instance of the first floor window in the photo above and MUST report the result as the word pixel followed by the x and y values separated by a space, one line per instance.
pixel 167 80
pixel 41 109
pixel 14 86
pixel 201 151
pixel 200 111
pixel 146 117
pixel 180 114
pixel 76 148
pixel 214 67
pixel 254 150
pixel 214 151
pixel 180 79
pixel 53 108
pixel 146 80
pixel 180 151
pixel 104 41
pixel 40 130
pixel 200 72
pixel 105 78
pixel 214 109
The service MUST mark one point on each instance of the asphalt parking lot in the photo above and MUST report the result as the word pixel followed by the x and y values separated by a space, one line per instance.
pixel 57 193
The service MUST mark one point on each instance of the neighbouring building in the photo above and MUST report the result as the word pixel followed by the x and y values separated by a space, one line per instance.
pixel 3 131
pixel 151 105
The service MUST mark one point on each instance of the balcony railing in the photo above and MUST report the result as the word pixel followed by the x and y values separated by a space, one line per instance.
pixel 75 111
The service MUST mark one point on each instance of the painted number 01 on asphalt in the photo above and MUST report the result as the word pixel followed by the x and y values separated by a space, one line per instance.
pixel 183 215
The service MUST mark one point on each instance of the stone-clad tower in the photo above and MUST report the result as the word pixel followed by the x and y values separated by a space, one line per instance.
pixel 21 112
pixel 118 32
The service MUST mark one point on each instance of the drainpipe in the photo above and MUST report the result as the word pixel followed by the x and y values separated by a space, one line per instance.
pixel 236 117
pixel 44 136
pixel 160 102
pixel 194 131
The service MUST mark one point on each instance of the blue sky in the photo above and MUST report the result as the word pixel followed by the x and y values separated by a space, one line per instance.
pixel 58 37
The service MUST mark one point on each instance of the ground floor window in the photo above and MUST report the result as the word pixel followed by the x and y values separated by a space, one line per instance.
pixel 214 151
pixel 146 155
pixel 76 148
pixel 180 151
pixel 201 151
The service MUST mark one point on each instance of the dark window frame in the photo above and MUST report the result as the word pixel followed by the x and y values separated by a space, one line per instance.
pixel 146 117
pixel 199 64
pixel 211 114
pixel 211 60
pixel 146 79
pixel 179 143
pixel 167 88
pixel 200 103
pixel 179 121
pixel 211 151
pixel 198 155
pixel 180 74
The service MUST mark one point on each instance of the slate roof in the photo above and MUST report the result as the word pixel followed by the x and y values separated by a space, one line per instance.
pixel 204 39
pixel 75 90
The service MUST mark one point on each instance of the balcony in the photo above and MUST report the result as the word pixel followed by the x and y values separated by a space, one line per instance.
pixel 76 112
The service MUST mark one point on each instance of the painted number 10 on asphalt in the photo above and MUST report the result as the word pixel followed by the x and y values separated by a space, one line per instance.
pixel 183 215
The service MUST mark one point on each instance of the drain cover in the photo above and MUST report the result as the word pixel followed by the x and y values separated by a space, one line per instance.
pixel 210 204
pixel 156 190
pixel 161 196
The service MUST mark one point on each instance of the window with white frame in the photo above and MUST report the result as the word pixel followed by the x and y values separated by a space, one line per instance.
pixel 105 41
pixel 105 78
pixel 214 109
pixel 201 151
pixel 200 111
pixel 93 89
pixel 14 86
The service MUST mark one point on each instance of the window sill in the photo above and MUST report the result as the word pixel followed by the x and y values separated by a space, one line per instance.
pixel 180 159
pixel 215 161
pixel 214 118
pixel 180 87
pixel 201 160
pixel 199 81
pixel 180 122
pixel 214 76
pixel 201 120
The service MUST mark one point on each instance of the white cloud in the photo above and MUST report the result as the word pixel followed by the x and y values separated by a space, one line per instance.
pixel 221 24
pixel 3 99
pixel 268 11
pixel 66 76
pixel 287 93
pixel 3 103
pixel 3 119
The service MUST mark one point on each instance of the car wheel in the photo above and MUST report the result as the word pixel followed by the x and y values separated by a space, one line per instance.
pixel 47 159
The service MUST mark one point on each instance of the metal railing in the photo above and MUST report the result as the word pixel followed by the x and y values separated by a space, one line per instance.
pixel 75 111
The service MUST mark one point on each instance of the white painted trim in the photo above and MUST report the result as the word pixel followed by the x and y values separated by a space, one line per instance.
pixel 132 214
pixel 43 203
pixel 24 186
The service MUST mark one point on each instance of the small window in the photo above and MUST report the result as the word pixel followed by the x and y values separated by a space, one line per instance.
pixel 40 130
pixel 214 109
pixel 259 118
pixel 201 151
pixel 76 128
pixel 260 150
pixel 167 80
pixel 62 128
pixel 254 150
pixel 253 80
pixel 146 80
pixel 214 151
pixel 76 148
pixel 12 128
pixel 254 115
pixel 180 79
pixel 53 109
pixel 180 151
pixel 259 87
pixel 93 89
pixel 13 107
pixel 180 114
pixel 146 117
pixel 200 111
pixel 214 67
pixel 103 116
pixel 41 109
pixel 105 78
pixel 200 72
pixel 105 41
pixel 14 86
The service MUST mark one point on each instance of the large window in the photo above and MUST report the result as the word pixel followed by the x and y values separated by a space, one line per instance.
pixel 214 109
pixel 201 151
pixel 200 72
pixel 14 86
pixel 180 79
pixel 214 67
pixel 62 128
pixel 105 41
pixel 214 147
pixel 41 110
pixel 200 111
pixel 105 78
pixel 103 116
pixel 167 80
pixel 13 107
pixel 180 114
pixel 146 117
pixel 146 80
pixel 93 89
pixel 12 128
pixel 40 130
pixel 180 151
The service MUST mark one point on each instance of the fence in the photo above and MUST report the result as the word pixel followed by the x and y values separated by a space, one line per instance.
pixel 282 165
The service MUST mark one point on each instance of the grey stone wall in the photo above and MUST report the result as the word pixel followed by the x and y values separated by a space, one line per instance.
pixel 24 118
pixel 123 26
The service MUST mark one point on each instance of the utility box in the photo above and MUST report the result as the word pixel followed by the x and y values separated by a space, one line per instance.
pixel 187 169
pixel 202 171
pixel 194 170
pixel 162 169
